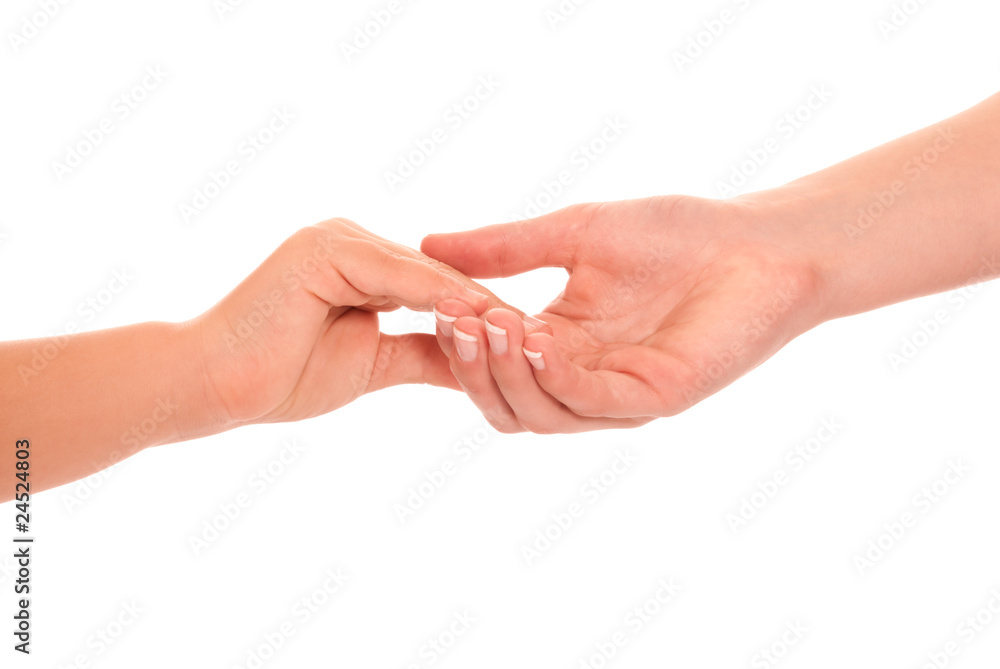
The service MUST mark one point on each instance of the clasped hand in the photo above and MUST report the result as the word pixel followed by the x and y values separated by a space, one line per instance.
pixel 668 300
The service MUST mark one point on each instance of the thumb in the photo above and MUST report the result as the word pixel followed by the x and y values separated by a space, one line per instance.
pixel 410 358
pixel 513 248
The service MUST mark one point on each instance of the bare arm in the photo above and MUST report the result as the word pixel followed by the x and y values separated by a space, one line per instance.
pixel 297 338
pixel 87 401
pixel 916 216
pixel 670 299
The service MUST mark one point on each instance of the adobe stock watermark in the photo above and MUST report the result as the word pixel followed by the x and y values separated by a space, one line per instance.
pixel 899 15
pixel 89 310
pixel 753 329
pixel 243 333
pixel 966 633
pixel 626 286
pixel 635 621
pixel 247 151
pixel 438 645
pixel 304 609
pixel 786 126
pixel 143 433
pixel 8 570
pixel 362 372
pixel 773 653
pixel 590 492
pixel 561 12
pixel 580 159
pixel 106 636
pixel 708 33
pixel 375 24
pixel 462 452
pixel 258 482
pixel 795 460
pixel 133 440
pixel 32 25
pixel 74 496
pixel 453 119
pixel 926 330
pixel 262 308
pixel 911 172
pixel 223 8
pixel 923 502
pixel 76 153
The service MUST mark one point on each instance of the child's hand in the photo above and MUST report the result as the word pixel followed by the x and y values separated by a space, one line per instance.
pixel 299 337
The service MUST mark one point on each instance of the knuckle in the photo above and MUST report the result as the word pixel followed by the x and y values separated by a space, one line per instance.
pixel 316 241
pixel 337 224
pixel 307 235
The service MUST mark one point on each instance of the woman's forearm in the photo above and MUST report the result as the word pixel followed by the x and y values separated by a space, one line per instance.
pixel 916 216
pixel 89 400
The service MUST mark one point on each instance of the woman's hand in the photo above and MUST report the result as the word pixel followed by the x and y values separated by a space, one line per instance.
pixel 669 299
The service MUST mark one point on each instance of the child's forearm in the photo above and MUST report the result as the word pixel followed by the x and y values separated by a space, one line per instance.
pixel 916 216
pixel 297 338
pixel 87 401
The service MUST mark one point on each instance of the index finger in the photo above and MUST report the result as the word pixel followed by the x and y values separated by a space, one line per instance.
pixel 351 230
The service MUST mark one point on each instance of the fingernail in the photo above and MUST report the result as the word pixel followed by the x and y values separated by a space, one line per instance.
pixel 535 358
pixel 497 337
pixel 444 322
pixel 467 345
pixel 532 323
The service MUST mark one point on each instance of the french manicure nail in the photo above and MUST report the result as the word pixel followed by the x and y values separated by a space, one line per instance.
pixel 467 345
pixel 535 358
pixel 444 322
pixel 497 337
pixel 532 323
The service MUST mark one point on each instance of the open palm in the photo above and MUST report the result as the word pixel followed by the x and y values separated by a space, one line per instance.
pixel 668 300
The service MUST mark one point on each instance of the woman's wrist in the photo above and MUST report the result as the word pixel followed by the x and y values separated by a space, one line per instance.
pixel 913 217
pixel 794 227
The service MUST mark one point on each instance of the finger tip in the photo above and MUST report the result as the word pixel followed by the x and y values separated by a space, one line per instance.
pixel 539 352
pixel 502 317
pixel 428 243
pixel 453 308
pixel 472 325
pixel 543 343
pixel 479 302
pixel 536 325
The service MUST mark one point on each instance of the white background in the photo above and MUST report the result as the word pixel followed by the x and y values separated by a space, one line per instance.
pixel 126 535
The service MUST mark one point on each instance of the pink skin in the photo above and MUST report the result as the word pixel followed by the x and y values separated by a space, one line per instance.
pixel 617 355
pixel 670 299
pixel 297 338
pixel 506 386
